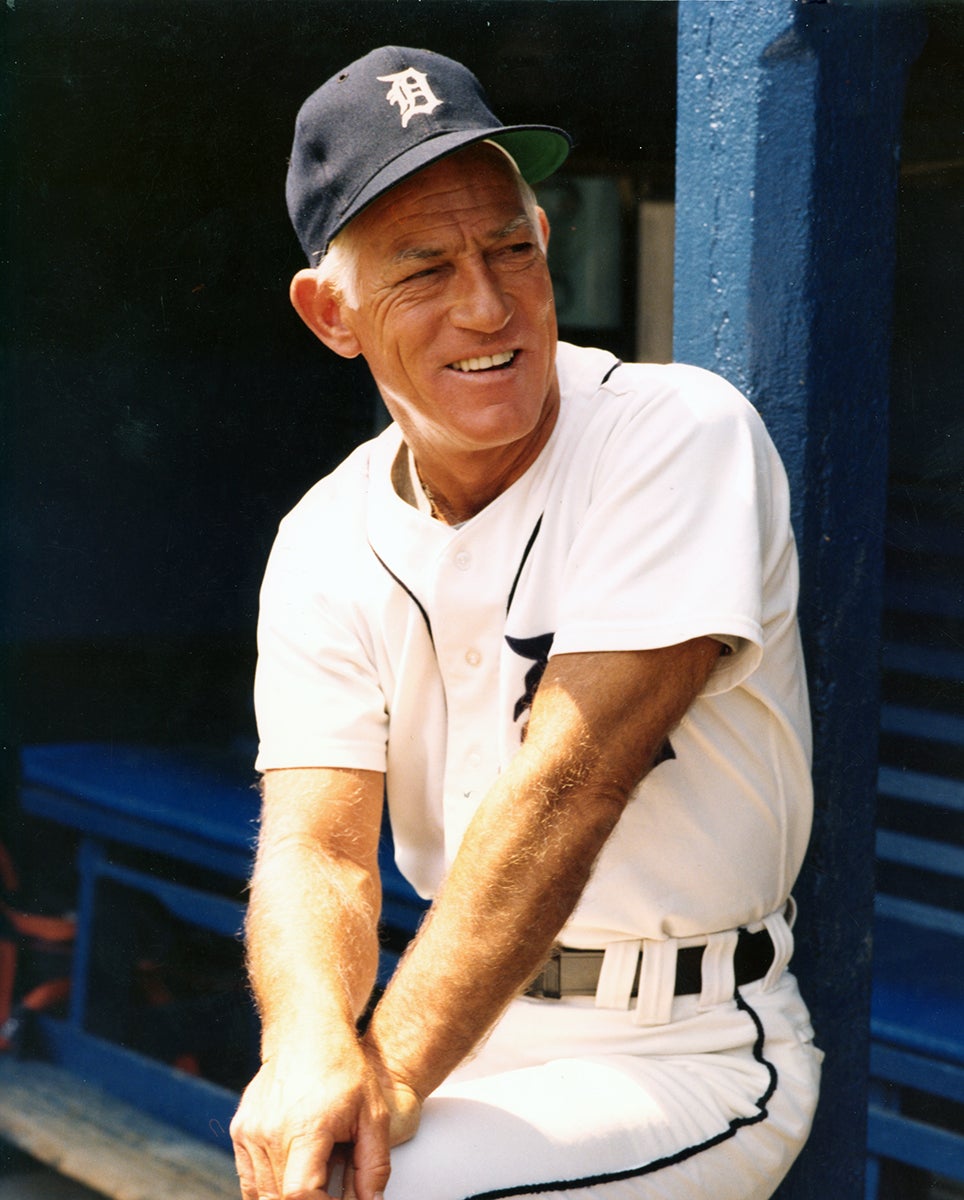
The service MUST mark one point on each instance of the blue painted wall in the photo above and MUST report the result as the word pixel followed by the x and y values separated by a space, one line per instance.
pixel 788 128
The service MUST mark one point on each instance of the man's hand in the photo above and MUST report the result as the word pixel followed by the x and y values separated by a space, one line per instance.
pixel 404 1103
pixel 307 1110
pixel 404 1115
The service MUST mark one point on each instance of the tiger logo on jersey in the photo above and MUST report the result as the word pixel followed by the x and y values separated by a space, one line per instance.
pixel 535 650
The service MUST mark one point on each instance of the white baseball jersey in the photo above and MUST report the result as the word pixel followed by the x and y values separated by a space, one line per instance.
pixel 657 512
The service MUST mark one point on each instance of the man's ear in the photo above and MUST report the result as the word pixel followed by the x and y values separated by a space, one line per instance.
pixel 543 225
pixel 321 310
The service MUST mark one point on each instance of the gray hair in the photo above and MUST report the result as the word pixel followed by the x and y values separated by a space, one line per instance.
pixel 339 267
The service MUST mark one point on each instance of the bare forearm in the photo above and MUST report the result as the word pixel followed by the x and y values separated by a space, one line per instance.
pixel 311 929
pixel 511 888
pixel 313 952
pixel 311 938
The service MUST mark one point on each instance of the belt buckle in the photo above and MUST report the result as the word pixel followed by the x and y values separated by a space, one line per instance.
pixel 547 985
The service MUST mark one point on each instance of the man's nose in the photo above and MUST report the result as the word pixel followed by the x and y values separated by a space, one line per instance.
pixel 480 303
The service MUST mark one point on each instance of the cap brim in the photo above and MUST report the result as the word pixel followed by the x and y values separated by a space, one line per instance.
pixel 538 150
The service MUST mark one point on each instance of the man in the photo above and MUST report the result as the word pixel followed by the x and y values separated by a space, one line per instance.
pixel 550 611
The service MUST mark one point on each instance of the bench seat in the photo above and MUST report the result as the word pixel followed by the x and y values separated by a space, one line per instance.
pixel 918 999
pixel 173 827
pixel 917 1004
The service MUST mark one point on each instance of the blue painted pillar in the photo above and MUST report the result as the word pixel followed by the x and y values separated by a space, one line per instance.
pixel 788 126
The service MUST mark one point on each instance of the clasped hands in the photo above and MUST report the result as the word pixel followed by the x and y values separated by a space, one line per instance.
pixel 316 1113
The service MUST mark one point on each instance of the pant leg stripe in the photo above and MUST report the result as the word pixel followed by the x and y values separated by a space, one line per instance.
pixel 738 1123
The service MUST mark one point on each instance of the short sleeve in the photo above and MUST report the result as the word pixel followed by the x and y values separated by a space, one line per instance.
pixel 672 544
pixel 318 701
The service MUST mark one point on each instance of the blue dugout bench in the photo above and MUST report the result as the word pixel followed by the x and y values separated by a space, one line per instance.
pixel 916 1113
pixel 166 842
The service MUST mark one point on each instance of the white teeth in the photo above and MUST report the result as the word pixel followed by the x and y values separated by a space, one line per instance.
pixel 486 361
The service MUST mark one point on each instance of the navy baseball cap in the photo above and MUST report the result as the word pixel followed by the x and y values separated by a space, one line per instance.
pixel 382 119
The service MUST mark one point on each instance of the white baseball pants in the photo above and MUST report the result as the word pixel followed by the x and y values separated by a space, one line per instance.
pixel 567 1101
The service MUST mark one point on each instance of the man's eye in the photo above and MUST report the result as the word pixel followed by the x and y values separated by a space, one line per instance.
pixel 517 253
pixel 425 273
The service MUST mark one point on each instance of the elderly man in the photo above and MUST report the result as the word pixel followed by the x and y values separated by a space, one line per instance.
pixel 550 613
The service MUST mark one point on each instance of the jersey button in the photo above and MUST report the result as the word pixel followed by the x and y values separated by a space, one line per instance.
pixel 473 657
pixel 463 560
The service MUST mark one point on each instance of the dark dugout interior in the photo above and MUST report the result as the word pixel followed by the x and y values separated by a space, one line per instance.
pixel 164 406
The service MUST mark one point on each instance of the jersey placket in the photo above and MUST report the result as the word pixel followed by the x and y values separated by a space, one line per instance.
pixel 468 610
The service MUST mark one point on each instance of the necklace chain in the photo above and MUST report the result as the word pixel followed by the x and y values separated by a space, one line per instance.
pixel 430 497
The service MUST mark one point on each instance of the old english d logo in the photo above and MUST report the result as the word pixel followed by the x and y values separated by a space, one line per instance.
pixel 410 90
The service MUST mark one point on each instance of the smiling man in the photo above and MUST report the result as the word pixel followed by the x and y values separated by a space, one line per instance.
pixel 455 318
pixel 550 615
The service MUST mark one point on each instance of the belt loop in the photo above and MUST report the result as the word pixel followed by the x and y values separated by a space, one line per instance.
pixel 657 983
pixel 618 974
pixel 718 972
pixel 779 931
